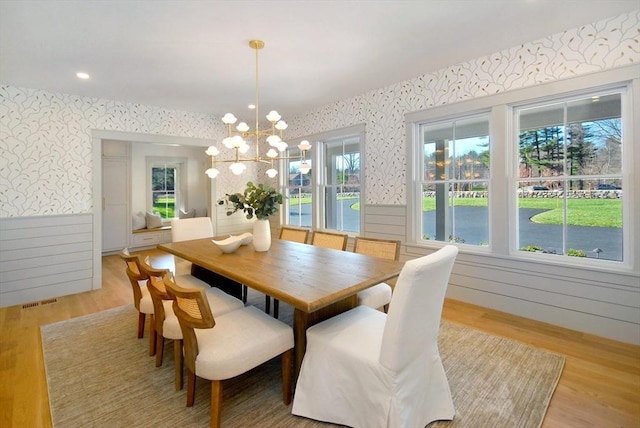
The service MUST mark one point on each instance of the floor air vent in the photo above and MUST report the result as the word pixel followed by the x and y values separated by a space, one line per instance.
pixel 35 304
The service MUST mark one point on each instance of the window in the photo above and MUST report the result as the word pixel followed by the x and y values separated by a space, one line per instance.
pixel 328 198
pixel 454 184
pixel 164 194
pixel 536 178
pixel 569 178
pixel 299 201
pixel 341 184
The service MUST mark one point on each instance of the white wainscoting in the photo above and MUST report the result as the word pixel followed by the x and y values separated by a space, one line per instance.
pixel 604 303
pixel 45 257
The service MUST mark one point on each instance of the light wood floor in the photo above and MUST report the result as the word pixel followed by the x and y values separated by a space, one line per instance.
pixel 599 387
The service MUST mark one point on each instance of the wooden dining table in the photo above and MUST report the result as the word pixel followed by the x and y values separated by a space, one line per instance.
pixel 317 282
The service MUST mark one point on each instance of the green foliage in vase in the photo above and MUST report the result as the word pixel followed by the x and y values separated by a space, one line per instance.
pixel 261 200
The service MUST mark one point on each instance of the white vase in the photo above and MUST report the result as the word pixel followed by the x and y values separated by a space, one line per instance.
pixel 261 235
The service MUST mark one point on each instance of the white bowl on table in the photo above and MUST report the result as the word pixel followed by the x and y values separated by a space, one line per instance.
pixel 247 237
pixel 228 245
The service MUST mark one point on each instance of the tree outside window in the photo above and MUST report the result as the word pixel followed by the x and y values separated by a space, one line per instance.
pixel 570 177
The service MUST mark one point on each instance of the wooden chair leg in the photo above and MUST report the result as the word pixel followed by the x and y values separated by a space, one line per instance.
pixel 177 356
pixel 276 308
pixel 216 403
pixel 267 304
pixel 191 387
pixel 141 319
pixel 152 336
pixel 287 360
pixel 159 349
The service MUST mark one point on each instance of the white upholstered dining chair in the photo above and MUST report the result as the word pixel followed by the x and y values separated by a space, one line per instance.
pixel 186 229
pixel 227 346
pixel 364 368
pixel 164 320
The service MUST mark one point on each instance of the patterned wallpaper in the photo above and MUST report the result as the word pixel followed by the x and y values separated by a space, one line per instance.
pixel 606 44
pixel 46 147
pixel 45 138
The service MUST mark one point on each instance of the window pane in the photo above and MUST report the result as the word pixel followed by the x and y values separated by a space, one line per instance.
pixel 570 182
pixel 455 181
pixel 163 185
pixel 342 184
pixel 298 206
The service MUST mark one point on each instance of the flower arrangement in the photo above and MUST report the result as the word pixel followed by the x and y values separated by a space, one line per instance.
pixel 261 200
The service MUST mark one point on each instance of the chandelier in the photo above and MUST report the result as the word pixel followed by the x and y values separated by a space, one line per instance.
pixel 238 139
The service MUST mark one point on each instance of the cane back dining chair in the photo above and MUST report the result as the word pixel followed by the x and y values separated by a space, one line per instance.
pixel 365 368
pixel 166 325
pixel 293 234
pixel 229 345
pixel 379 295
pixel 337 241
pixel 141 298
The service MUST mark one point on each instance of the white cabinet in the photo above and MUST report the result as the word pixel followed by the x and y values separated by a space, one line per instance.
pixel 150 238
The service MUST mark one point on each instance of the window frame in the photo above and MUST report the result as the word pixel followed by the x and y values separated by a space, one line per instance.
pixel 419 165
pixel 502 230
pixel 515 179
pixel 181 188
pixel 319 174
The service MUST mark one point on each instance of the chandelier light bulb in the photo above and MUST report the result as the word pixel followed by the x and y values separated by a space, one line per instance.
pixel 237 141
pixel 228 142
pixel 272 172
pixel 273 140
pixel 229 119
pixel 212 151
pixel 281 125
pixel 244 147
pixel 212 172
pixel 272 153
pixel 237 168
pixel 282 146
pixel 304 167
pixel 304 145
pixel 242 127
pixel 273 116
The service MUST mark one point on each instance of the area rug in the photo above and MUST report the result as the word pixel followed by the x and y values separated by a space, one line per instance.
pixel 100 375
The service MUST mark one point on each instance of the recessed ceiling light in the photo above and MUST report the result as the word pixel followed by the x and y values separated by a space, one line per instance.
pixel 82 75
pixel 252 106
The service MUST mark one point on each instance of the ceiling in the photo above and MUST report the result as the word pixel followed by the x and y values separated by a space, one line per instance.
pixel 194 55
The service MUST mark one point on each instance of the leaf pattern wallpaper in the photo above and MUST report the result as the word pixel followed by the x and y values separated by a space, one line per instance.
pixel 46 145
pixel 591 48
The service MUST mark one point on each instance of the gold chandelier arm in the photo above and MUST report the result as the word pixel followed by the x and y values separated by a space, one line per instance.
pixel 257 45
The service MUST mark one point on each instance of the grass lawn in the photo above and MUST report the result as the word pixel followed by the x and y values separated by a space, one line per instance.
pixel 581 212
pixel 165 206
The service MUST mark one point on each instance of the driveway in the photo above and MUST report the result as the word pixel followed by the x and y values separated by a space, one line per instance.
pixel 471 225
